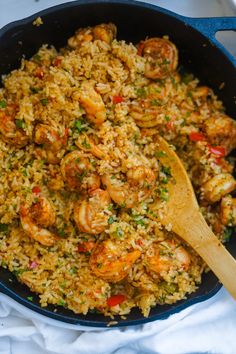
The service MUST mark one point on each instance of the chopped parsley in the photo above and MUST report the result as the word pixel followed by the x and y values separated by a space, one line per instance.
pixel 30 298
pixel 166 170
pixel 167 118
pixel 61 302
pixel 166 61
pixel 159 154
pixel 141 92
pixel 110 220
pixel 83 174
pixel 156 102
pixel 61 233
pixel 80 126
pixel 20 123
pixel 227 233
pixel 138 219
pixel 44 101
pixel 37 58
pixel 34 89
pixel 3 104
pixel 86 145
pixel 73 270
pixel 18 272
pixel 4 228
pixel 187 78
pixel 119 232
pixel 164 194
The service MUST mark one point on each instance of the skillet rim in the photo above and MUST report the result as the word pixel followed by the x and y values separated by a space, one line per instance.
pixel 175 308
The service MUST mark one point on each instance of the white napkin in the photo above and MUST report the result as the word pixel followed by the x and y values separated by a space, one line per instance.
pixel 208 327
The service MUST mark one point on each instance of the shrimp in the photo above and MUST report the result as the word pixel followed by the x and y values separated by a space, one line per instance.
pixel 86 143
pixel 11 129
pixel 150 109
pixel 81 36
pixel 92 103
pixel 36 218
pixel 139 186
pixel 78 171
pixel 228 211
pixel 52 142
pixel 161 55
pixel 120 192
pixel 112 261
pixel 143 178
pixel 105 32
pixel 89 214
pixel 166 256
pixel 221 131
pixel 218 186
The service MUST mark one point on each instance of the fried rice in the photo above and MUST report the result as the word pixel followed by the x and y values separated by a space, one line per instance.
pixel 79 171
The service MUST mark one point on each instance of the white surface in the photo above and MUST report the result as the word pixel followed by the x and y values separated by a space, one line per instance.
pixel 209 327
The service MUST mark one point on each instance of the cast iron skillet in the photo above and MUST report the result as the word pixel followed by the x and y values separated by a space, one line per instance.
pixel 199 52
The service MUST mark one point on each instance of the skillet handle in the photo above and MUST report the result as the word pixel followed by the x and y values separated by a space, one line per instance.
pixel 208 26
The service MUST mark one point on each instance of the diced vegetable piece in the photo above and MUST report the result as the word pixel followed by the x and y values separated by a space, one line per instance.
pixel 115 300
pixel 195 136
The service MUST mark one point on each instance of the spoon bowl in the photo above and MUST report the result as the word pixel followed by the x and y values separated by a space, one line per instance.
pixel 181 212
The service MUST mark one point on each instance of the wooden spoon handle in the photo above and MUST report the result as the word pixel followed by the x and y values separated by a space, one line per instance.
pixel 211 250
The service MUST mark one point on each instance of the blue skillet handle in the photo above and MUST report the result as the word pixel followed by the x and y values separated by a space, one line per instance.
pixel 210 25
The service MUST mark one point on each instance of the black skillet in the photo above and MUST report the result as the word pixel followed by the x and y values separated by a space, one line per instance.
pixel 200 53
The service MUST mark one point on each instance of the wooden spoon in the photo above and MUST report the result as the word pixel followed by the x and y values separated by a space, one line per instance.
pixel 182 212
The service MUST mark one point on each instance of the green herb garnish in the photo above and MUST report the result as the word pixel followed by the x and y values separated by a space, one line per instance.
pixel 227 233
pixel 110 220
pixel 4 228
pixel 86 145
pixel 44 101
pixel 3 104
pixel 20 123
pixel 159 154
pixel 61 302
pixel 37 58
pixel 80 126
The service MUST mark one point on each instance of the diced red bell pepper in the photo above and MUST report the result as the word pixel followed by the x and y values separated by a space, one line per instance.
pixel 195 136
pixel 81 248
pixel 117 99
pixel 115 300
pixel 36 190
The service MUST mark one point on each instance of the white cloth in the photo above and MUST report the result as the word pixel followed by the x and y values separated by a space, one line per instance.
pixel 208 327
